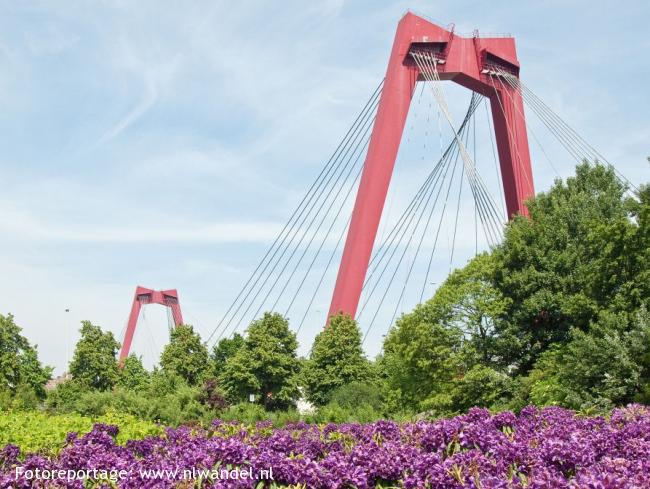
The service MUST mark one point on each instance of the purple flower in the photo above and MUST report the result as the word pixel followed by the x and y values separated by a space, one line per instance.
pixel 539 448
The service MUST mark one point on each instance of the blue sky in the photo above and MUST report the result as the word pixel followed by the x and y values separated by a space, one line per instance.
pixel 165 143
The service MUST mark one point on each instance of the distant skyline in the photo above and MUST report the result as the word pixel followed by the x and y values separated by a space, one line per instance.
pixel 165 144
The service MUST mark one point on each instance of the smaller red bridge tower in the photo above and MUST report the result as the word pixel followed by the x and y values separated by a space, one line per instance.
pixel 143 296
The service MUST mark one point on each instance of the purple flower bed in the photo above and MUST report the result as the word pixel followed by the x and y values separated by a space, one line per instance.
pixel 540 448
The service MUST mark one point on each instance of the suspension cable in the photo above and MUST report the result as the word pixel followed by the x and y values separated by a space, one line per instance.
pixel 450 155
pixel 320 282
pixel 304 233
pixel 433 250
pixel 405 248
pixel 427 65
pixel 338 213
pixel 563 131
pixel 381 252
pixel 311 192
pixel 424 232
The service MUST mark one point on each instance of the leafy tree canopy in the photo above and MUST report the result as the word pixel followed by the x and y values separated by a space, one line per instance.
pixel 336 359
pixel 584 249
pixel 186 355
pixel 133 375
pixel 553 315
pixel 223 350
pixel 608 366
pixel 266 365
pixel 94 361
pixel 19 364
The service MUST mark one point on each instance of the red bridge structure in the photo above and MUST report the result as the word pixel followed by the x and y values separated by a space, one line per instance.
pixel 144 296
pixel 466 61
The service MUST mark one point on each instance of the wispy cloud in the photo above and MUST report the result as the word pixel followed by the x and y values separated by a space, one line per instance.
pixel 153 76
pixel 22 225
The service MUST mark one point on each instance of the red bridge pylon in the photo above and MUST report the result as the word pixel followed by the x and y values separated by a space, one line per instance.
pixel 143 296
pixel 468 61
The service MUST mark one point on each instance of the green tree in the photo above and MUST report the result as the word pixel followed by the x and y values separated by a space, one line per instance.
pixel 19 364
pixel 549 316
pixel 336 359
pixel 620 249
pixel 186 355
pixel 133 375
pixel 482 386
pixel 604 367
pixel 421 358
pixel 223 350
pixel 469 301
pixel 573 258
pixel 94 361
pixel 266 365
pixel 431 349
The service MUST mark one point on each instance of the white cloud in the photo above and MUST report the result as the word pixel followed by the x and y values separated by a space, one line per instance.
pixel 20 224
pixel 152 73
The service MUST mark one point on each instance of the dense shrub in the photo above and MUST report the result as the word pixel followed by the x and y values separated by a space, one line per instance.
pixel 168 400
pixel 41 432
pixel 335 413
pixel 212 396
pixel 252 413
pixel 355 394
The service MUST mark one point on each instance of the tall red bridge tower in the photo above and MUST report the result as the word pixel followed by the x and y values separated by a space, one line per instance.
pixel 468 61
pixel 143 296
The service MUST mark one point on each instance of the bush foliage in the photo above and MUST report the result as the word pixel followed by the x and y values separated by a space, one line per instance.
pixel 35 431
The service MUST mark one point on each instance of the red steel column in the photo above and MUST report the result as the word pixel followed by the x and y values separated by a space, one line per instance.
pixel 130 327
pixel 378 168
pixel 176 314
pixel 512 145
